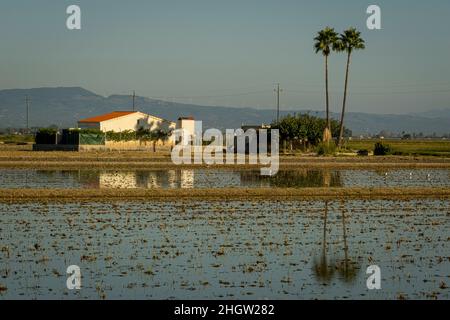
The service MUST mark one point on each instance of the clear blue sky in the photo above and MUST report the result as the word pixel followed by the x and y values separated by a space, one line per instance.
pixel 230 52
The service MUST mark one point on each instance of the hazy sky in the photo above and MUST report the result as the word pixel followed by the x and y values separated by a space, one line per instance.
pixel 230 52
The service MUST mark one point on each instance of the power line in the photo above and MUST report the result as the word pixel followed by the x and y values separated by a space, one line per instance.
pixel 278 91
pixel 27 102
pixel 297 91
pixel 380 86
pixel 373 93
pixel 210 96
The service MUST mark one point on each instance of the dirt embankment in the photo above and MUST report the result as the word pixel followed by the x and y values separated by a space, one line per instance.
pixel 69 195
pixel 162 160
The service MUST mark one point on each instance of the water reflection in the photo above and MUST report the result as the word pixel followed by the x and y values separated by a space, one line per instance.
pixel 294 179
pixel 117 180
pixel 211 249
pixel 324 267
pixel 163 179
pixel 215 178
pixel 347 268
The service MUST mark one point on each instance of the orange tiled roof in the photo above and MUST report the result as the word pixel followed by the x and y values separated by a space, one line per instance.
pixel 107 116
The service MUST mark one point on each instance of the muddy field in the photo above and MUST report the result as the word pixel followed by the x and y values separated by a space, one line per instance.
pixel 141 227
pixel 161 160
pixel 233 249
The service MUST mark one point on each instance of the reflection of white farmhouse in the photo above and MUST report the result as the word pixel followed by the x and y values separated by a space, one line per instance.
pixel 172 179
pixel 187 179
pixel 117 180
pixel 152 180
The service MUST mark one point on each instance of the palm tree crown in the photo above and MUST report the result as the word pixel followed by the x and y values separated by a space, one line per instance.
pixel 350 40
pixel 325 41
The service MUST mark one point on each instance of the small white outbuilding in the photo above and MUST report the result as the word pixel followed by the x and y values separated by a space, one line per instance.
pixel 190 127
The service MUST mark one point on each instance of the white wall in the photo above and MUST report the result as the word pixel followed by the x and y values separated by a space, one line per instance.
pixel 127 122
pixel 187 125
pixel 190 127
pixel 132 121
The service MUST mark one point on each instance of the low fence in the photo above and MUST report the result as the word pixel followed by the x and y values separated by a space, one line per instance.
pixel 73 137
pixel 90 140
pixel 129 145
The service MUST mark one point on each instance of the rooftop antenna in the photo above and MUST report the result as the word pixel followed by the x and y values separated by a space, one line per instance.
pixel 134 97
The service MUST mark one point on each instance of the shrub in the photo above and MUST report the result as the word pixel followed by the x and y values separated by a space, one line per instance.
pixel 363 152
pixel 46 136
pixel 127 135
pixel 381 149
pixel 89 131
pixel 47 131
pixel 326 149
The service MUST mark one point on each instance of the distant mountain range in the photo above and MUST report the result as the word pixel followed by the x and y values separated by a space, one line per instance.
pixel 64 106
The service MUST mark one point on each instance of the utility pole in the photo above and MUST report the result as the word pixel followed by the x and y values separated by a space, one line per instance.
pixel 278 90
pixel 134 97
pixel 27 102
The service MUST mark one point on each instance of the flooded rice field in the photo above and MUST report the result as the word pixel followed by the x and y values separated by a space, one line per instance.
pixel 214 178
pixel 229 250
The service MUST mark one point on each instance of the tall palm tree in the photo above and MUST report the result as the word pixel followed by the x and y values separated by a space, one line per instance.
pixel 349 41
pixel 325 41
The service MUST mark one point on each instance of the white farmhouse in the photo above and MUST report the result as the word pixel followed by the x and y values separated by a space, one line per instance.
pixel 119 121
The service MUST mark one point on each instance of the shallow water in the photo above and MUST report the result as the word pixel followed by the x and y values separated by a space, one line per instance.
pixel 232 249
pixel 213 178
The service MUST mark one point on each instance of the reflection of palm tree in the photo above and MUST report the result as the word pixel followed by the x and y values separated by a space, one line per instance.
pixel 322 270
pixel 326 178
pixel 347 269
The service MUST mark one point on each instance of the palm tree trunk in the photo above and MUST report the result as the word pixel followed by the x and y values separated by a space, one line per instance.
pixel 326 90
pixel 344 232
pixel 341 125
pixel 324 243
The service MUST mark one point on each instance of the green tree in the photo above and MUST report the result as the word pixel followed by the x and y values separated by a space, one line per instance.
pixel 348 42
pixel 304 127
pixel 288 128
pixel 154 136
pixel 325 42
